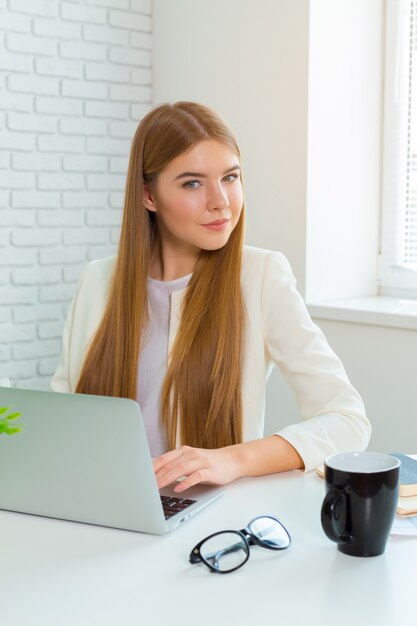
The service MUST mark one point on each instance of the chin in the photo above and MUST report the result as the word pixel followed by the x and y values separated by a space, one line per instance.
pixel 214 245
pixel 215 241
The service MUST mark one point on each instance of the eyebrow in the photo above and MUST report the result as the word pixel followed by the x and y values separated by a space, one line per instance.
pixel 201 175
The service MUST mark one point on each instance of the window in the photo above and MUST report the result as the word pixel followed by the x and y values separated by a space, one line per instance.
pixel 398 258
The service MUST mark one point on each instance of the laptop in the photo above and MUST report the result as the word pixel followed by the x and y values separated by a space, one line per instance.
pixel 86 459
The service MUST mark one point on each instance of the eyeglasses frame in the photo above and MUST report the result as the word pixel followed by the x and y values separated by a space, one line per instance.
pixel 248 538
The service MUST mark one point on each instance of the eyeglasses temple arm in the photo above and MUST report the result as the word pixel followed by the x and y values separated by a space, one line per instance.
pixel 215 556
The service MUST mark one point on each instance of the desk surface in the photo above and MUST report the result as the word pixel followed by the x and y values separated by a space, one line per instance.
pixel 55 573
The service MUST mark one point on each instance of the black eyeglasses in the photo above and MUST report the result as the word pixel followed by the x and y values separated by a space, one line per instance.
pixel 227 550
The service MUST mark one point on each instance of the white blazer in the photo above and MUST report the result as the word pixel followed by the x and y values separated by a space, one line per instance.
pixel 279 331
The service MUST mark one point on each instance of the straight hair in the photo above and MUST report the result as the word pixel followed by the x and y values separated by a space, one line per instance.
pixel 201 397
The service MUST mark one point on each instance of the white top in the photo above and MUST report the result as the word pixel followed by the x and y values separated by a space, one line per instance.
pixel 278 331
pixel 153 359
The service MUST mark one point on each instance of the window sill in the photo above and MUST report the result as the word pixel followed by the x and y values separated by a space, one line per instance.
pixel 376 311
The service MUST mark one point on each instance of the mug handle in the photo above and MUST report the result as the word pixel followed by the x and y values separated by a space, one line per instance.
pixel 329 514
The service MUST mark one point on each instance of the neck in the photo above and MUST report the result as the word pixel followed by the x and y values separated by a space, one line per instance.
pixel 168 266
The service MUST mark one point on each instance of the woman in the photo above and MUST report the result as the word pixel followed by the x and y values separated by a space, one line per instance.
pixel 188 321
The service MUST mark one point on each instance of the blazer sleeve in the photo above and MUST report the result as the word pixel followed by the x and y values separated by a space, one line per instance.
pixel 61 380
pixel 332 410
pixel 84 317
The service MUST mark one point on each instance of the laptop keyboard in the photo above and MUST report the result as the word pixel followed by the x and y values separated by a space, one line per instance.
pixel 173 505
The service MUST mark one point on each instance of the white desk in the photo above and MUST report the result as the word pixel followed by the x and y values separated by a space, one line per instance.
pixel 55 573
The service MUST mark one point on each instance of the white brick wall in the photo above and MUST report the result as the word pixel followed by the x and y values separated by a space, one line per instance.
pixel 75 79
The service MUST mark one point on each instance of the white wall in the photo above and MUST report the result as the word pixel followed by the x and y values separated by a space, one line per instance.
pixel 247 59
pixel 74 80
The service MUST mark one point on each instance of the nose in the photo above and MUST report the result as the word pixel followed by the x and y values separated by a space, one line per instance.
pixel 217 198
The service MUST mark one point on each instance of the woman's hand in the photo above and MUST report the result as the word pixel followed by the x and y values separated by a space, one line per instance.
pixel 223 465
pixel 198 465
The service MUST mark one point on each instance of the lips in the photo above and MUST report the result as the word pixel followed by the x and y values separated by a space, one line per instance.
pixel 216 225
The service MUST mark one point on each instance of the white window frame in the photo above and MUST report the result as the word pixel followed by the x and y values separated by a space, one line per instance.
pixel 395 278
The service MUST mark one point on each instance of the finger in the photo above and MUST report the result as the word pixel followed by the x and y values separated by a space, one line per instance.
pixel 194 479
pixel 165 458
pixel 183 457
pixel 168 476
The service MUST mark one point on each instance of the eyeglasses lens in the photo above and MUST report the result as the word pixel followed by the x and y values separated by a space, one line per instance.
pixel 225 551
pixel 270 532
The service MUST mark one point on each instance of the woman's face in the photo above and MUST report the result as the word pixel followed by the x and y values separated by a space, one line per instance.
pixel 198 199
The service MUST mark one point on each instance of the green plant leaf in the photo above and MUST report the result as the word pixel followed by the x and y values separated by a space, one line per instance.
pixel 8 430
pixel 13 416
pixel 4 422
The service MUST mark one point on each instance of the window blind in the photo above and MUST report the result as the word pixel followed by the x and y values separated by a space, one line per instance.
pixel 398 267
pixel 410 227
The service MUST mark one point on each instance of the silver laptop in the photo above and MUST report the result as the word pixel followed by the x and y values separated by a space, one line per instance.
pixel 86 459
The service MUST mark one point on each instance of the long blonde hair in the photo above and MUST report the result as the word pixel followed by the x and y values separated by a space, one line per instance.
pixel 201 396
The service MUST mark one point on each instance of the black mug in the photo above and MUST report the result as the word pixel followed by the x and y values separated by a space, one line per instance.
pixel 361 500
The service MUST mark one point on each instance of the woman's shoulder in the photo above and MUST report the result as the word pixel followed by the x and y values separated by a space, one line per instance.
pixel 93 289
pixel 257 261
pixel 266 279
pixel 99 271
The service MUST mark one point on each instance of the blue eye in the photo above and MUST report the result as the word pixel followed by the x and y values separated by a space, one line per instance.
pixel 191 184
